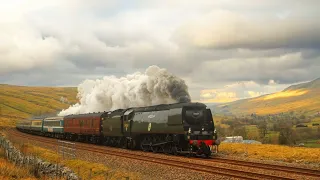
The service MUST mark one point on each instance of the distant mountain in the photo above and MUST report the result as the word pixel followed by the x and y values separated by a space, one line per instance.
pixel 18 102
pixel 300 98
pixel 315 84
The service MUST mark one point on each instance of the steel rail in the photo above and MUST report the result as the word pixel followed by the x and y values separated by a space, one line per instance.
pixel 175 163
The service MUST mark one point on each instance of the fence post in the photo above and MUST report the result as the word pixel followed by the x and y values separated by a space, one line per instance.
pixel 66 149
pixel 57 172
pixel 106 175
pixel 90 173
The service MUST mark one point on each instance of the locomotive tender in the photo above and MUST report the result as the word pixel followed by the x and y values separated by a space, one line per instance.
pixel 180 128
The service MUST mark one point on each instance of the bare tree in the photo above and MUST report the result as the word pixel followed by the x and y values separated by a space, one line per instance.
pixel 286 134
pixel 263 129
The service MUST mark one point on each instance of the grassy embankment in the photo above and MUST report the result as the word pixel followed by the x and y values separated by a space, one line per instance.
pixel 10 171
pixel 19 102
pixel 98 171
pixel 272 152
pixel 82 168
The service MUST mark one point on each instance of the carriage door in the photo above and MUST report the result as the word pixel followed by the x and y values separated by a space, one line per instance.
pixel 127 122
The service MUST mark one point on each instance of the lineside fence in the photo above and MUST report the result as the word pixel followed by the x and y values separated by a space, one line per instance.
pixel 66 149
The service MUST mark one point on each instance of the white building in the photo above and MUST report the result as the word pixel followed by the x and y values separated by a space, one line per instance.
pixel 234 139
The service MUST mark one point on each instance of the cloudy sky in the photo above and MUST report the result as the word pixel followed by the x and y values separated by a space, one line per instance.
pixel 224 50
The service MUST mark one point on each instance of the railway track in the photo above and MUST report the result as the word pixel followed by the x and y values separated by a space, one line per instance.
pixel 147 157
pixel 301 171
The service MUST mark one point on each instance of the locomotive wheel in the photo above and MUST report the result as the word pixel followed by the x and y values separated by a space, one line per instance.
pixel 154 149
pixel 142 146
pixel 207 155
pixel 122 143
pixel 190 154
pixel 145 144
pixel 155 140
pixel 133 144
pixel 106 141
pixel 167 148
pixel 207 151
pixel 174 150
pixel 162 148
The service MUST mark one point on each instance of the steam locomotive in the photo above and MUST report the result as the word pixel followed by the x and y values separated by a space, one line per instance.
pixel 179 128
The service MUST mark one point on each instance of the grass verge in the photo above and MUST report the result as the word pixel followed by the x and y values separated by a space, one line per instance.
pixel 84 169
pixel 10 171
pixel 272 152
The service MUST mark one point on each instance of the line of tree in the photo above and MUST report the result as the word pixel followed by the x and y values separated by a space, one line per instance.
pixel 274 129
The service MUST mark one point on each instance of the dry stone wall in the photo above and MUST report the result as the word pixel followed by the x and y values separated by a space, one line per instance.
pixel 38 166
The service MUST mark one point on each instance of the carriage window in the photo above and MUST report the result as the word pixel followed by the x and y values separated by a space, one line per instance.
pixel 91 122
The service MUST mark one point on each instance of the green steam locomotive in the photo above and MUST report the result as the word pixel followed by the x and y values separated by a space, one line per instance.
pixel 179 128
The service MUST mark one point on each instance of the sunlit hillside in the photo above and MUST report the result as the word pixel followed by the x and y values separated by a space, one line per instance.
pixel 301 98
pixel 18 102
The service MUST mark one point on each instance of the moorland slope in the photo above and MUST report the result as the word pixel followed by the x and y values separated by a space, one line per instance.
pixel 18 102
pixel 301 98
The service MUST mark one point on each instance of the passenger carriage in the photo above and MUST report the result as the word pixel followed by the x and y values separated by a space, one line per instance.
pixel 36 125
pixel 24 125
pixel 53 127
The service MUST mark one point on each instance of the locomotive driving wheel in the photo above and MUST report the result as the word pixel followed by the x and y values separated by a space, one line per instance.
pixel 167 148
pixel 145 143
pixel 154 141
pixel 133 144
pixel 122 143
pixel 174 150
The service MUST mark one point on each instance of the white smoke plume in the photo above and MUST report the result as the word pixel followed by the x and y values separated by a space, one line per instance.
pixel 155 86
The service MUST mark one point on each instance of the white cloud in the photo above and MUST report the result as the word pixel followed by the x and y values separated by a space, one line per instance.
pixel 272 82
pixel 217 96
pixel 254 94
pixel 236 91
pixel 96 37
pixel 226 29
pixel 21 47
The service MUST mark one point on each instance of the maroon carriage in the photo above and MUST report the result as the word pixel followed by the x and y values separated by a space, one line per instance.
pixel 83 126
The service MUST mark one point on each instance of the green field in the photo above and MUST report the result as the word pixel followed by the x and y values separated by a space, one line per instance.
pixel 314 120
pixel 313 143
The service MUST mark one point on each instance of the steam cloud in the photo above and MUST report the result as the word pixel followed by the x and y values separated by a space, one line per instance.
pixel 155 86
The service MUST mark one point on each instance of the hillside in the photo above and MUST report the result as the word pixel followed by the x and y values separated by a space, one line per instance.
pixel 18 102
pixel 300 98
